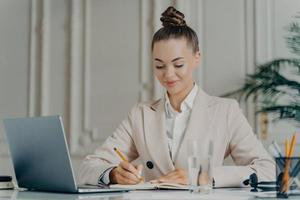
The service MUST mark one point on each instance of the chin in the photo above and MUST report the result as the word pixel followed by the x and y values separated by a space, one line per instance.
pixel 173 90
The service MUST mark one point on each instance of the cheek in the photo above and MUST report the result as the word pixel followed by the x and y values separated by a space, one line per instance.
pixel 190 69
pixel 183 72
pixel 158 74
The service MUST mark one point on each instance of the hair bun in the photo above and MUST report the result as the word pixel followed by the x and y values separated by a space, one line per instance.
pixel 172 17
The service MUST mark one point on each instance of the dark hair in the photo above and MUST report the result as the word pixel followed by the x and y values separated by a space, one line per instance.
pixel 174 26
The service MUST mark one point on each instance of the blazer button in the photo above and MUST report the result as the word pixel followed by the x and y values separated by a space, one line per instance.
pixel 149 164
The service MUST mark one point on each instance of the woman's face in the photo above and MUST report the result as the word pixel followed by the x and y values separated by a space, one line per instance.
pixel 174 63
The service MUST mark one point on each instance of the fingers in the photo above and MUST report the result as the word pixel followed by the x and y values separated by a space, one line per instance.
pixel 130 168
pixel 127 174
pixel 124 180
pixel 139 168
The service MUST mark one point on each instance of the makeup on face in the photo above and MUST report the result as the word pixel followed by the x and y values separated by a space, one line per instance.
pixel 176 62
pixel 173 63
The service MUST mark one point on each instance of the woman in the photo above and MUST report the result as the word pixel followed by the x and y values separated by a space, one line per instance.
pixel 158 132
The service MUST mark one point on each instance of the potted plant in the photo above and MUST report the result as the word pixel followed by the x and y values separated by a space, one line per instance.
pixel 275 85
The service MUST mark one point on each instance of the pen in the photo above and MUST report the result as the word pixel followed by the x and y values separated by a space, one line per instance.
pixel 293 142
pixel 289 150
pixel 120 154
pixel 277 148
pixel 276 152
pixel 287 147
pixel 125 160
pixel 296 169
pixel 285 178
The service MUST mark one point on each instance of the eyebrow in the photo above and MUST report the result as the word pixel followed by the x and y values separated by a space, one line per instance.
pixel 175 59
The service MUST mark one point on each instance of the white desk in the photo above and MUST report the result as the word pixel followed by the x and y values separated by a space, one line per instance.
pixel 230 194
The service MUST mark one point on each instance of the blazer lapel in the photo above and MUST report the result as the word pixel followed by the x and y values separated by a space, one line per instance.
pixel 156 137
pixel 198 127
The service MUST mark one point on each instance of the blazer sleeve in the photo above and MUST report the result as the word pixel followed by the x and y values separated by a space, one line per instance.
pixel 104 157
pixel 247 152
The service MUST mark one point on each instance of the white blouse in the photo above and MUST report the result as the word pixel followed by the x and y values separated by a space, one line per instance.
pixel 176 122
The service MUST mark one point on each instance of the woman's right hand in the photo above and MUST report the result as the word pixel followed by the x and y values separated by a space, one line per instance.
pixel 126 174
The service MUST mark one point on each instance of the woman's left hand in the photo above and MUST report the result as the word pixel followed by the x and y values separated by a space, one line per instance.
pixel 179 176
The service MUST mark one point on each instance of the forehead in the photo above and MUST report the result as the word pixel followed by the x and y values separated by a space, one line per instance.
pixel 171 48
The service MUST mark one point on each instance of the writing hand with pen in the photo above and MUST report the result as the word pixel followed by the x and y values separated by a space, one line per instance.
pixel 126 173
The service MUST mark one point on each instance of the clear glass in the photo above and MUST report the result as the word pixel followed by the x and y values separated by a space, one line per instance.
pixel 193 171
pixel 205 174
pixel 199 167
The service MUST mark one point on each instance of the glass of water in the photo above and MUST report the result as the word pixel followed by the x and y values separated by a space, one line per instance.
pixel 199 167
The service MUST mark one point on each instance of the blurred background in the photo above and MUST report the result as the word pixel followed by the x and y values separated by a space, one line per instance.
pixel 90 60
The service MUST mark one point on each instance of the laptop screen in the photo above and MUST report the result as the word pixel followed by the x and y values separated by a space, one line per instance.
pixel 40 154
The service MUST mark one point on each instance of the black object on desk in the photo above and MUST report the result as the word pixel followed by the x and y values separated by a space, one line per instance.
pixel 5 178
pixel 263 185
pixel 6 183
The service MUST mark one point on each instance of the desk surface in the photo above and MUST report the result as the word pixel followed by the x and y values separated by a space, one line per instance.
pixel 230 194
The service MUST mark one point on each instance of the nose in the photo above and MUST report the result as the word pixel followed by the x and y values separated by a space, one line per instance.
pixel 169 71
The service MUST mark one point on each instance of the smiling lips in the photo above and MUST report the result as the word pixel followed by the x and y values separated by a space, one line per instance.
pixel 171 83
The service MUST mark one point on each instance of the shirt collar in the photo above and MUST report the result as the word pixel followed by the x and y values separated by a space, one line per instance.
pixel 187 103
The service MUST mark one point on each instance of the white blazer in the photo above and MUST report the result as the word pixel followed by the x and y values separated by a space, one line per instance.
pixel 143 135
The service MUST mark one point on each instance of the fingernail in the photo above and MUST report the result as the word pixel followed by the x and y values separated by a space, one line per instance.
pixel 138 176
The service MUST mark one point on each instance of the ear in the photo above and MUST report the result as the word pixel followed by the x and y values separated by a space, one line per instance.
pixel 197 57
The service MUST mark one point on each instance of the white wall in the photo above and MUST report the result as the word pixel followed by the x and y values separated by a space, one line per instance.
pixel 89 60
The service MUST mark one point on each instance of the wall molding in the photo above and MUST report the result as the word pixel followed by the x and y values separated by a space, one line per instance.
pixel 79 109
pixel 87 72
pixel 156 24
pixel 146 85
pixel 67 71
pixel 264 23
pixel 202 45
pixel 45 60
pixel 75 71
pixel 39 66
pixel 249 27
pixel 33 59
pixel 264 46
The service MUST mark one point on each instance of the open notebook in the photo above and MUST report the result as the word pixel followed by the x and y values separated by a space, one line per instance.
pixel 151 186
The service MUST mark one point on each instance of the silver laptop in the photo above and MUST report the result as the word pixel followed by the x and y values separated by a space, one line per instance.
pixel 41 157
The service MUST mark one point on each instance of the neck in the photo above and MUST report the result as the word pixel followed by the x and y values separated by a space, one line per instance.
pixel 177 99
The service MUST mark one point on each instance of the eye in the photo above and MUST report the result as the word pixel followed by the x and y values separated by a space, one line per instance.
pixel 159 66
pixel 178 66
